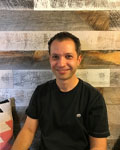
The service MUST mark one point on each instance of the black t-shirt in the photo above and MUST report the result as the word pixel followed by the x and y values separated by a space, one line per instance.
pixel 67 119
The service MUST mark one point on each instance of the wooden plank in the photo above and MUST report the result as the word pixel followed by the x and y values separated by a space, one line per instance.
pixel 115 77
pixel 40 60
pixel 37 40
pixel 43 21
pixel 96 77
pixel 98 20
pixel 76 4
pixel 114 20
pixel 24 59
pixel 6 79
pixel 29 79
pixel 111 95
pixel 16 4
pixel 100 59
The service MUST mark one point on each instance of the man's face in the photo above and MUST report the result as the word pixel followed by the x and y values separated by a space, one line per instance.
pixel 63 59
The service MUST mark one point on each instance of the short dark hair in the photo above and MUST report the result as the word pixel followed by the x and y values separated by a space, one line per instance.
pixel 63 36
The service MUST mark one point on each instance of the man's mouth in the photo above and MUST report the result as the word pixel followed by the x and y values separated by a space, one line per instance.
pixel 62 71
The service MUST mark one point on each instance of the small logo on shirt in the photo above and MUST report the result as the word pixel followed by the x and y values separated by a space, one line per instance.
pixel 78 115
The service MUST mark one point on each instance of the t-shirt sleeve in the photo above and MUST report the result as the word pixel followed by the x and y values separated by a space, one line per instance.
pixel 32 109
pixel 97 118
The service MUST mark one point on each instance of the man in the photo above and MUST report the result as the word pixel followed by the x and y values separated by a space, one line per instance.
pixel 71 113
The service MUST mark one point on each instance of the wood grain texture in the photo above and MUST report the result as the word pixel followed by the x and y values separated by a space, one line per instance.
pixel 43 21
pixel 16 4
pixel 40 60
pixel 6 79
pixel 96 77
pixel 24 60
pixel 76 4
pixel 37 40
pixel 100 59
pixel 114 20
pixel 111 95
pixel 98 20
pixel 29 79
pixel 115 78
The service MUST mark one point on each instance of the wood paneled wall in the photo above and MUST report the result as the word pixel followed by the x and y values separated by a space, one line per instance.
pixel 25 28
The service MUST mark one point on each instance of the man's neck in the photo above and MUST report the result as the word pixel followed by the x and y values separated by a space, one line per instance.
pixel 67 85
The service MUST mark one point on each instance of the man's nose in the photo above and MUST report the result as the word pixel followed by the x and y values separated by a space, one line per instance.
pixel 61 62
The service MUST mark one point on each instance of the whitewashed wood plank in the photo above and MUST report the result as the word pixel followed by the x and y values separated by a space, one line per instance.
pixel 37 40
pixel 29 79
pixel 96 77
pixel 76 4
pixel 16 4
pixel 6 79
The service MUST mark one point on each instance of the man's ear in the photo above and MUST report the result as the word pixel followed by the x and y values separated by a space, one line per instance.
pixel 79 59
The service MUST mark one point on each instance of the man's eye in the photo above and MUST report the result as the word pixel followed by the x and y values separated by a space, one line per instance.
pixel 69 56
pixel 55 57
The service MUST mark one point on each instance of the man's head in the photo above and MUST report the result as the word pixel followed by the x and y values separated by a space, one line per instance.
pixel 64 56
pixel 65 36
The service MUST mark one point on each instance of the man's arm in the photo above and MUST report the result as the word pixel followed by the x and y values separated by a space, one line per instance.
pixel 26 135
pixel 98 143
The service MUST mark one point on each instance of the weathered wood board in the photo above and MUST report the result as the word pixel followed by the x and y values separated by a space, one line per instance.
pixel 59 20
pixel 37 40
pixel 45 20
pixel 111 95
pixel 40 60
pixel 114 20
pixel 76 4
pixel 6 79
pixel 96 77
pixel 115 78
pixel 30 78
pixel 16 4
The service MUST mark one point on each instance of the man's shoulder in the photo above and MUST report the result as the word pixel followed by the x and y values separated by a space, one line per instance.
pixel 88 88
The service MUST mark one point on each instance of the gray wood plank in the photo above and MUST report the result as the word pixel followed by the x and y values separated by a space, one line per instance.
pixel 43 21
pixel 16 4
pixel 6 79
pixel 29 79
pixel 76 4
pixel 37 40
pixel 115 77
